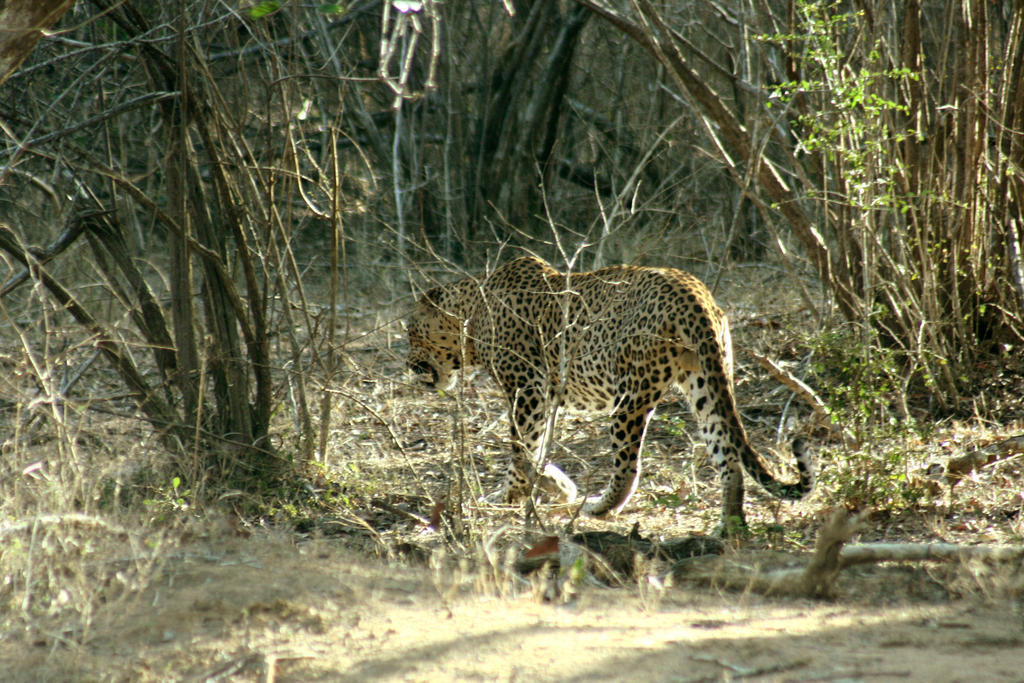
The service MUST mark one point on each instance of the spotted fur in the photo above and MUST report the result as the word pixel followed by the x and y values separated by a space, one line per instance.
pixel 613 340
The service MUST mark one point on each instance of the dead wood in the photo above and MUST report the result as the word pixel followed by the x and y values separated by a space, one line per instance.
pixel 74 227
pixel 67 519
pixel 815 580
pixel 918 552
pixel 613 558
pixel 402 512
pixel 158 411
pixel 613 555
pixel 959 467
pixel 818 578
pixel 800 388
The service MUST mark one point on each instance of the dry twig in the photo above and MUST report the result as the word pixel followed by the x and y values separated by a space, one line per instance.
pixel 800 388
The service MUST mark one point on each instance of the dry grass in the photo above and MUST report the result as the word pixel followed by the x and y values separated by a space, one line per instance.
pixel 102 553
pixel 120 561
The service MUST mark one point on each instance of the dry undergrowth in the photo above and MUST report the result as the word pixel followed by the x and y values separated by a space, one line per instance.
pixel 96 531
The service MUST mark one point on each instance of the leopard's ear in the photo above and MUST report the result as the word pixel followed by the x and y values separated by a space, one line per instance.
pixel 432 296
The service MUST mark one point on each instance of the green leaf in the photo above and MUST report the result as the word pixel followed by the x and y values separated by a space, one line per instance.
pixel 331 8
pixel 578 571
pixel 264 9
pixel 670 500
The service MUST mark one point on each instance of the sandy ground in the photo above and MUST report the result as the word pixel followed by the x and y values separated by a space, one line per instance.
pixel 280 605
pixel 269 608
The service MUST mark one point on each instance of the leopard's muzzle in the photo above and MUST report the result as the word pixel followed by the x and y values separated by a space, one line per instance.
pixel 424 372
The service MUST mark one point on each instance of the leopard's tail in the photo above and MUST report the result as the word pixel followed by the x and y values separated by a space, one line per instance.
pixel 719 365
pixel 787 491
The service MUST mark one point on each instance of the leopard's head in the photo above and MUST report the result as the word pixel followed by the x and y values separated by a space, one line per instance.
pixel 435 351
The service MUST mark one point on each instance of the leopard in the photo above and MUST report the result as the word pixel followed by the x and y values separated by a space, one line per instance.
pixel 614 341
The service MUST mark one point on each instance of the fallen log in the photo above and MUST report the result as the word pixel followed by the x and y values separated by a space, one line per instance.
pixel 815 580
pixel 613 555
pixel 818 578
pixel 616 558
pixel 959 467
pixel 923 552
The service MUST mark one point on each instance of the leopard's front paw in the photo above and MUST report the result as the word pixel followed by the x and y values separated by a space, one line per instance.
pixel 596 506
pixel 557 485
pixel 510 495
pixel 494 498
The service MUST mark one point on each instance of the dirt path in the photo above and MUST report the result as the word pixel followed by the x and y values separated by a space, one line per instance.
pixel 265 608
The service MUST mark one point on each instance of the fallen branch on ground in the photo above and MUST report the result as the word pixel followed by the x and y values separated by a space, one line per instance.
pixel 816 580
pixel 65 519
pixel 918 552
pixel 612 553
pixel 612 557
pixel 819 577
pixel 959 467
